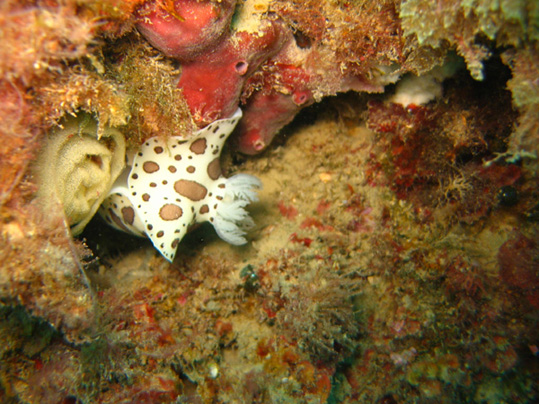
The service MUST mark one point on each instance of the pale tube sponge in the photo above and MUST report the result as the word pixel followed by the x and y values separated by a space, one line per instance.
pixel 77 167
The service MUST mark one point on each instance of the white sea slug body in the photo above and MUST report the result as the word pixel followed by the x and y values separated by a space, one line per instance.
pixel 174 183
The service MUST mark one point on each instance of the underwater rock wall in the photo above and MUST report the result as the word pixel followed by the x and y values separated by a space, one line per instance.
pixel 395 250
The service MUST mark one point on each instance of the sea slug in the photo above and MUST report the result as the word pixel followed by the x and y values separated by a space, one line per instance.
pixel 172 184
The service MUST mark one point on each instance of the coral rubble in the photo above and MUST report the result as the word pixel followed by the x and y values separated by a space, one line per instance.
pixel 395 252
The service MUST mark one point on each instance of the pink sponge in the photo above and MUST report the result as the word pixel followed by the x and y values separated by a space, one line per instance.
pixel 212 83
pixel 268 110
pixel 184 29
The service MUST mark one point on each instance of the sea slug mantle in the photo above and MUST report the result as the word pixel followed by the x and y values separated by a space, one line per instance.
pixel 174 183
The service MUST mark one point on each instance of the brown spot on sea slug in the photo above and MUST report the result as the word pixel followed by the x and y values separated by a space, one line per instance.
pixel 150 167
pixel 204 209
pixel 214 169
pixel 170 212
pixel 190 189
pixel 198 146
pixel 128 214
